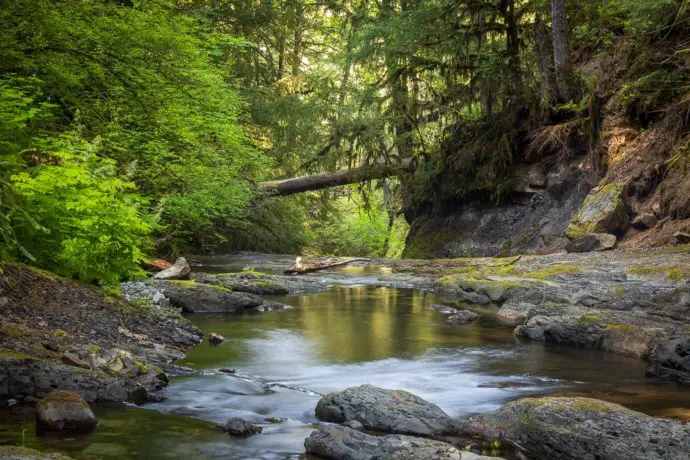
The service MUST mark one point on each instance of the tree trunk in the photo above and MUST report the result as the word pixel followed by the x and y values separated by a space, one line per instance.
pixel 299 267
pixel 561 51
pixel 297 50
pixel 294 185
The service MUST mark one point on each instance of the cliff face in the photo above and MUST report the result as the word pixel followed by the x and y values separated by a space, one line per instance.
pixel 631 141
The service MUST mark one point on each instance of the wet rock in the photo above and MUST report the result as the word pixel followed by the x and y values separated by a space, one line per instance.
pixel 462 317
pixel 65 411
pixel 354 424
pixel 51 345
pixel 23 453
pixel 605 210
pixel 272 306
pixel 644 221
pixel 656 209
pixel 139 395
pixel 342 443
pixel 682 237
pixel 276 420
pixel 215 338
pixel 443 309
pixel 73 360
pixel 592 242
pixel 583 428
pixel 239 427
pixel 179 271
pixel 388 411
pixel 226 370
pixel 193 297
pixel 671 360
pixel 514 314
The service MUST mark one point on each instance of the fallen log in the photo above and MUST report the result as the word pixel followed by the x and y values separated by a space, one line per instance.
pixel 300 268
pixel 294 185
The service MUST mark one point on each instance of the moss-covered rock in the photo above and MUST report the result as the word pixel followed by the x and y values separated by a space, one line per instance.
pixel 583 428
pixel 23 453
pixel 65 411
pixel 605 210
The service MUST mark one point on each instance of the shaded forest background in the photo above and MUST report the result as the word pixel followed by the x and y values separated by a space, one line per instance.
pixel 132 128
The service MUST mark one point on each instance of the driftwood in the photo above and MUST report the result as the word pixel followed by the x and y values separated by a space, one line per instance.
pixel 294 185
pixel 299 267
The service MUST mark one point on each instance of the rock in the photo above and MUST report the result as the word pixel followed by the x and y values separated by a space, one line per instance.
pixel 73 360
pixel 239 427
pixel 671 360
pixel 156 265
pixel 388 411
pixel 682 237
pixel 443 309
pixel 342 443
pixel 139 395
pixel 12 402
pixel 272 306
pixel 354 424
pixel 179 271
pixel 65 411
pixel 462 317
pixel 193 297
pixel 583 428
pixel 215 338
pixel 514 313
pixel 656 209
pixel 592 242
pixel 644 221
pixel 263 284
pixel 276 420
pixel 23 453
pixel 144 291
pixel 116 364
pixel 605 210
pixel 51 345
pixel 226 370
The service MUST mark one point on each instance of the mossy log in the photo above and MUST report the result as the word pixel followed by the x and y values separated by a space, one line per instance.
pixel 299 267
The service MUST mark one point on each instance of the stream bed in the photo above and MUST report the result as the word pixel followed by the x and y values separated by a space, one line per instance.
pixel 354 333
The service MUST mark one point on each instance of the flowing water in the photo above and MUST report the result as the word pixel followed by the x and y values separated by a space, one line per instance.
pixel 356 332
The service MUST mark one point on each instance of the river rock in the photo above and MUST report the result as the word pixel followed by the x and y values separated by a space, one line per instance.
pixel 388 411
pixel 239 427
pixel 682 237
pixel 592 242
pixel 443 309
pixel 139 395
pixel 23 453
pixel 342 443
pixel 65 411
pixel 179 271
pixel 462 317
pixel 73 360
pixel 193 297
pixel 605 210
pixel 671 360
pixel 214 338
pixel 584 428
pixel 644 221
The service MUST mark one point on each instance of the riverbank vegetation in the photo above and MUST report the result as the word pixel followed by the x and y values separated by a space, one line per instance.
pixel 132 128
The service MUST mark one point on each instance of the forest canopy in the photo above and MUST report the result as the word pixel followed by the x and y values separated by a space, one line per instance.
pixel 131 128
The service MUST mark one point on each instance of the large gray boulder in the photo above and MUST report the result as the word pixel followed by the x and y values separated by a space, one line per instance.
pixel 179 271
pixel 605 210
pixel 584 429
pixel 193 297
pixel 65 411
pixel 388 411
pixel 341 443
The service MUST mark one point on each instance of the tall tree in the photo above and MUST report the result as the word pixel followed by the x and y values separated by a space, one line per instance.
pixel 561 48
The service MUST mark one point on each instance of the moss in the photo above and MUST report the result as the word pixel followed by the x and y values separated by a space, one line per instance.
pixel 621 327
pixel 109 299
pixel 582 225
pixel 191 284
pixel 590 319
pixel 45 274
pixel 15 330
pixel 677 273
pixel 673 272
pixel 23 452
pixel 11 354
pixel 66 396
pixel 553 271
pixel 93 348
pixel 60 334
pixel 143 367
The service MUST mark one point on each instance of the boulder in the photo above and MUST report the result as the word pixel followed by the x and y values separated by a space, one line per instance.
pixel 73 360
pixel 239 427
pixel 193 297
pixel 605 210
pixel 644 221
pixel 462 317
pixel 682 237
pixel 139 395
pixel 65 411
pixel 388 411
pixel 179 271
pixel 592 242
pixel 341 443
pixel 671 360
pixel 214 338
pixel 583 428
